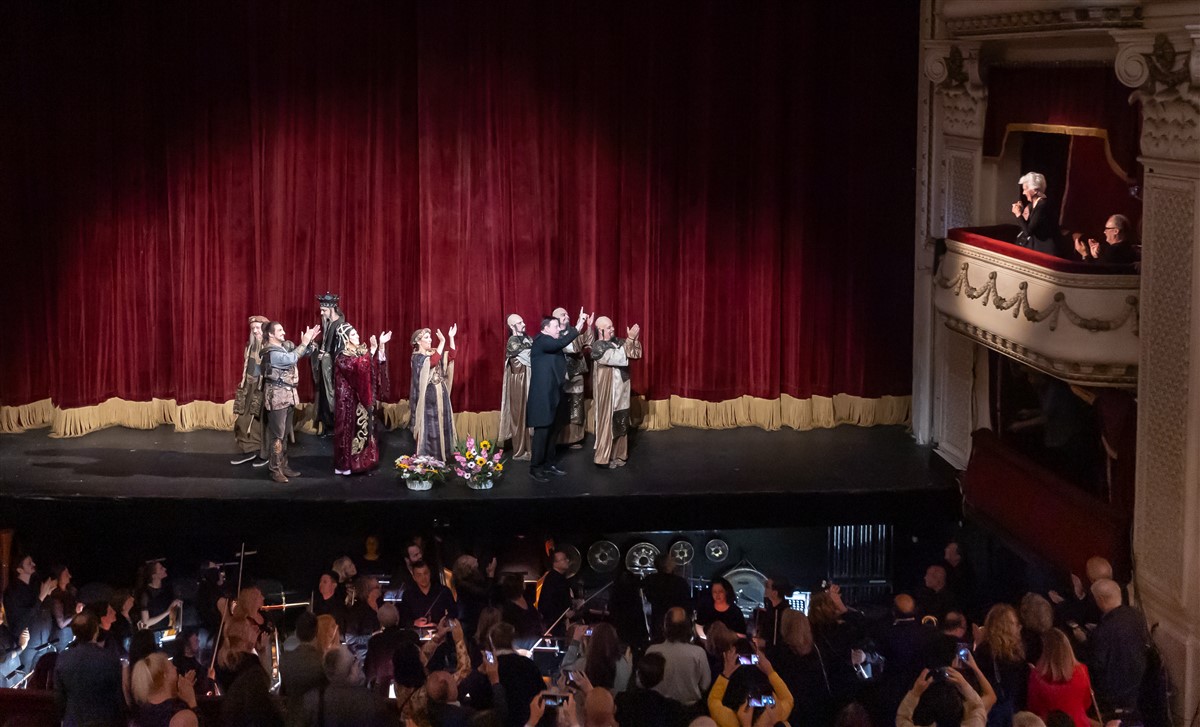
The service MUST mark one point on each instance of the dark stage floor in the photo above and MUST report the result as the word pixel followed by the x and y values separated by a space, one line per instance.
pixel 701 477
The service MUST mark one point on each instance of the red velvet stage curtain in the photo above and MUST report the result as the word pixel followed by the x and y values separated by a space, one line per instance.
pixel 706 170
pixel 1094 191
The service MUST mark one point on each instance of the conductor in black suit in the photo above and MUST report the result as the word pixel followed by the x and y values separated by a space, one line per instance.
pixel 544 411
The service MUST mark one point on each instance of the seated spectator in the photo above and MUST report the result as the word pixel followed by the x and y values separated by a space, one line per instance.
pixel 187 661
pixel 330 599
pixel 1059 682
pixel 342 701
pixel 425 602
pixel 377 665
pixel 601 656
pixel 740 683
pixel 664 590
pixel 11 646
pixel 641 705
pixel 516 609
pixel 1116 650
pixel 686 675
pixel 520 677
pixel 1037 617
pixel 798 662
pixel 1118 247
pixel 329 635
pixel 235 657
pixel 301 669
pixel 933 597
pixel 162 696
pixel 87 679
pixel 1062 719
pixel 941 697
pixel 721 606
pixel 1002 657
pixel 766 631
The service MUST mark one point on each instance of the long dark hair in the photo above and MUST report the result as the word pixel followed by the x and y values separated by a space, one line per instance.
pixel 604 651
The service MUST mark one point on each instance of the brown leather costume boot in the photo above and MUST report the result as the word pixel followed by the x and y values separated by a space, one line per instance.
pixel 287 469
pixel 277 462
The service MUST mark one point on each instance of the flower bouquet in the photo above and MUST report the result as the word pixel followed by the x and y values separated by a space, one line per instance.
pixel 420 472
pixel 478 464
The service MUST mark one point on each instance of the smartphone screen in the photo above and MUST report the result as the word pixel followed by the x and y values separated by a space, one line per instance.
pixel 748 659
pixel 491 658
pixel 588 632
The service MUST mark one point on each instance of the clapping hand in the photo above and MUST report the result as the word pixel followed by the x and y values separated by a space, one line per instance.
pixel 374 344
pixel 385 337
pixel 1016 209
pixel 48 587
pixel 1094 246
pixel 1080 247
pixel 308 335
pixel 633 331
pixel 453 330
pixel 582 318
pixel 440 336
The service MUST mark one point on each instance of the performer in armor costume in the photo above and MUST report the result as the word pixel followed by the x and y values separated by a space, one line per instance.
pixel 248 401
pixel 279 393
pixel 432 419
pixel 359 378
pixel 333 325
pixel 610 391
pixel 574 430
pixel 516 389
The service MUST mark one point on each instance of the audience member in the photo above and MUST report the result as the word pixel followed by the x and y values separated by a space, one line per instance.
pixel 444 707
pixel 23 605
pixel 1079 607
pixel 301 669
pixel 1002 657
pixel 1037 617
pixel 162 696
pixel 155 603
pixel 520 677
pixel 1027 719
pixel 599 708
pixel 853 715
pixel 722 606
pixel 187 660
pixel 717 640
pixel 907 645
pixel 798 662
pixel 839 631
pixel 1058 681
pixel 664 590
pixel 641 704
pixel 1035 214
pixel 941 697
pixel 342 701
pixel 1117 248
pixel 960 577
pixel 330 599
pixel 686 676
pixel 603 658
pixel 377 664
pixel 62 607
pixel 87 680
pixel 743 681
pixel 408 676
pixel 1116 650
pixel 329 634
pixel 473 588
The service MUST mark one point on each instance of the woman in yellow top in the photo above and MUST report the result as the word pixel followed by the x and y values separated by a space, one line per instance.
pixel 748 677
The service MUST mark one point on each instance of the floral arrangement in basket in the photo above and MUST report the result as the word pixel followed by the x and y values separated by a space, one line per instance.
pixel 478 464
pixel 419 473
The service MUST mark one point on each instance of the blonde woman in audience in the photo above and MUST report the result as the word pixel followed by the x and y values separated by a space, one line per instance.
pixel 328 634
pixel 162 697
pixel 1001 656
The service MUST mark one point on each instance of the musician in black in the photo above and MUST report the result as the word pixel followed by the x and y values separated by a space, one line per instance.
pixel 426 601
pixel 554 595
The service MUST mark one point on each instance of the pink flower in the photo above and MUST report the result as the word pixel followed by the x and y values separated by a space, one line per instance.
pixel 470 442
pixel 496 458
pixel 460 473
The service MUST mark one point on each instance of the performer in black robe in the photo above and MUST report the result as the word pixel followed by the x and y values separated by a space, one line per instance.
pixel 323 358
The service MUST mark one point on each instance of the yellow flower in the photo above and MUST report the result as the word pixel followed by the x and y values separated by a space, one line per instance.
pixel 404 466
pixel 481 461
pixel 485 445
pixel 499 468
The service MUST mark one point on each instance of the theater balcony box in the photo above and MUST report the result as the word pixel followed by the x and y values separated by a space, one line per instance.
pixel 1073 320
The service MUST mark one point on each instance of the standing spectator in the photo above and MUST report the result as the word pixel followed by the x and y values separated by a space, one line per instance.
pixel 62 607
pixel 641 704
pixel 718 639
pixel 838 631
pixel 907 645
pixel 515 610
pixel 960 577
pixel 942 697
pixel 87 680
pixel 1002 657
pixel 1036 216
pixel 474 589
pixel 23 605
pixel 377 666
pixel 520 677
pixel 686 676
pixel 162 696
pixel 1117 653
pixel 740 682
pixel 1059 681
pixel 722 607
pixel 604 659
pixel 342 701
pixel 766 632
pixel 247 698
pixel 301 670
pixel 665 590
pixel 933 597
pixel 798 662
pixel 1037 617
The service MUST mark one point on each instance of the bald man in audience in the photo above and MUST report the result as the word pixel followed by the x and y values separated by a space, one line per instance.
pixel 1116 653
pixel 686 677
pixel 907 646
pixel 599 709
pixel 1079 606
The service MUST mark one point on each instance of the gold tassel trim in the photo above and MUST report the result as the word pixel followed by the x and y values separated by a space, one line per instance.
pixel 818 412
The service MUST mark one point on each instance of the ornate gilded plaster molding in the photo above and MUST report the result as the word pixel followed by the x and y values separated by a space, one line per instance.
pixel 1071 371
pixel 1164 70
pixel 1036 18
pixel 1019 303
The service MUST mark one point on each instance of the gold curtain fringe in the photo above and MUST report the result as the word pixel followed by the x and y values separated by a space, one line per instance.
pixel 818 412
pixel 17 419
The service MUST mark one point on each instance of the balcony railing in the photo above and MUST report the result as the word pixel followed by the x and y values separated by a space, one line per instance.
pixel 1073 320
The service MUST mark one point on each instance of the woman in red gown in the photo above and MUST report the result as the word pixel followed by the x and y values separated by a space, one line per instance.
pixel 359 377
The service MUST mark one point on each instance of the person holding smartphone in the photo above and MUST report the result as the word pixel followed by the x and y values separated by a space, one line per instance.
pixel 748 680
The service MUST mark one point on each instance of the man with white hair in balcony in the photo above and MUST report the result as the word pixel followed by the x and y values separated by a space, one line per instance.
pixel 1116 655
pixel 1036 216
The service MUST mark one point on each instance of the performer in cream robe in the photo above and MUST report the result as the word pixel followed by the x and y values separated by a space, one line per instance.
pixel 429 399
pixel 574 430
pixel 516 389
pixel 610 391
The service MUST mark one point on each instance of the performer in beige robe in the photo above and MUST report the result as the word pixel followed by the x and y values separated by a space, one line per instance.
pixel 432 419
pixel 248 401
pixel 516 389
pixel 574 430
pixel 610 391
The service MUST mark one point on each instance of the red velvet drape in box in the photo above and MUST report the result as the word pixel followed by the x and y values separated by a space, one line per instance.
pixel 711 171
